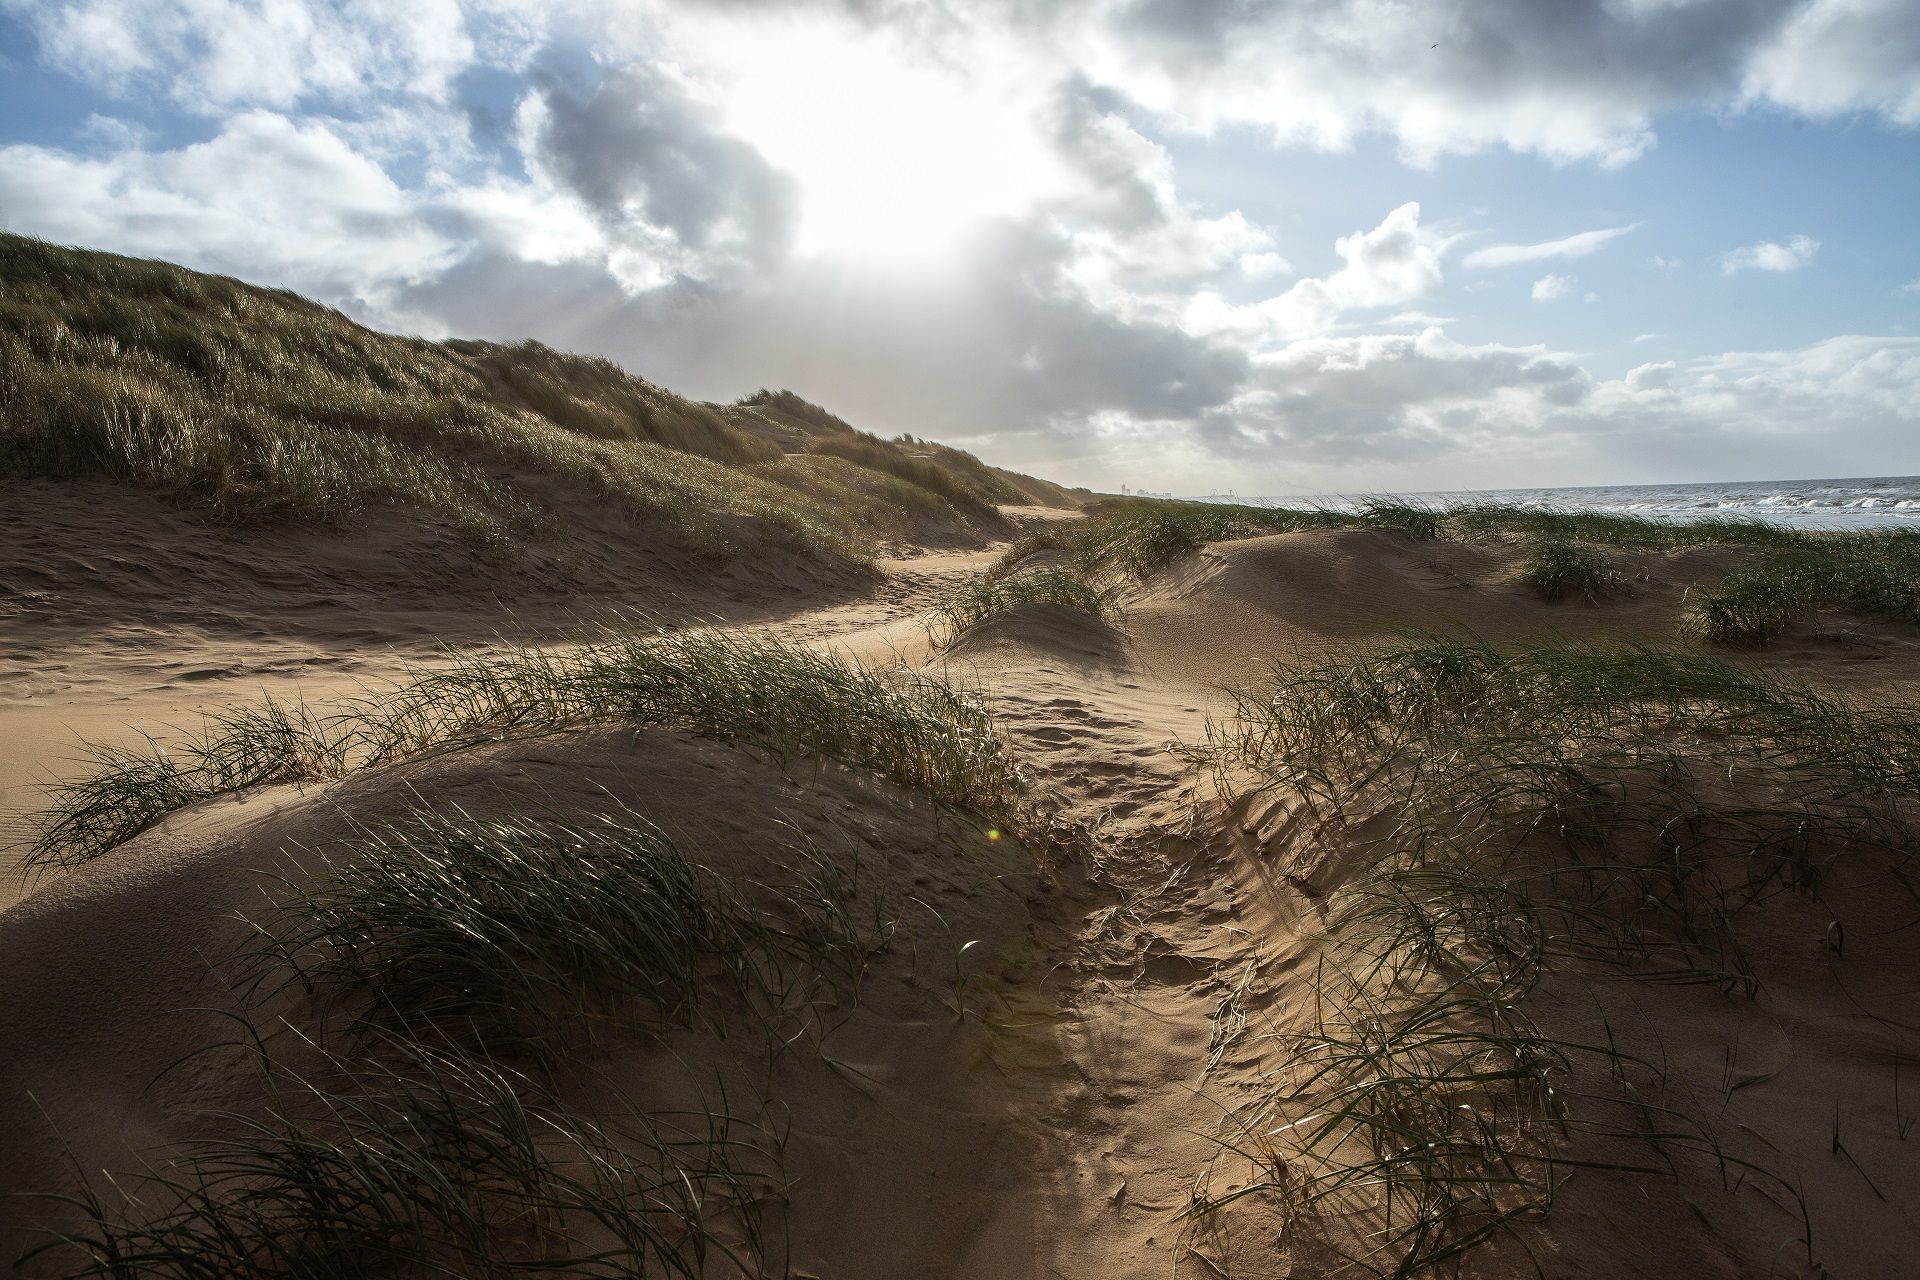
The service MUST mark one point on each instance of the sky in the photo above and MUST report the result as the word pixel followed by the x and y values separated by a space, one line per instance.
pixel 1266 246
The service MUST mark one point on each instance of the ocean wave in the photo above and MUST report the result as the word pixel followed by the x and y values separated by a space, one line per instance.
pixel 1834 504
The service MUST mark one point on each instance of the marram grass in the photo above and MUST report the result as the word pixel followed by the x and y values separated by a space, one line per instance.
pixel 456 948
pixel 1794 575
pixel 1137 537
pixel 406 1160
pixel 524 933
pixel 1543 805
pixel 260 408
pixel 513 929
pixel 1873 575
pixel 459 948
pixel 756 691
pixel 983 597
pixel 1557 571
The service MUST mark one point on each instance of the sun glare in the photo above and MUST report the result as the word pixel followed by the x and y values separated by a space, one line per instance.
pixel 896 158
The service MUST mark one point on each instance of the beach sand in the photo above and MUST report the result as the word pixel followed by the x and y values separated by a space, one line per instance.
pixel 1048 1058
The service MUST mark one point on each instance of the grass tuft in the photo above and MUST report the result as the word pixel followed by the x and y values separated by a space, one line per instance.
pixel 128 790
pixel 511 931
pixel 983 597
pixel 1136 538
pixel 1557 571
pixel 524 933
pixel 412 1161
pixel 1408 519
pixel 727 685
pixel 1796 575
pixel 1875 575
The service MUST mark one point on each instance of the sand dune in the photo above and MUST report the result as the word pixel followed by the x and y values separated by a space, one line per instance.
pixel 185 894
pixel 1224 614
pixel 1058 1052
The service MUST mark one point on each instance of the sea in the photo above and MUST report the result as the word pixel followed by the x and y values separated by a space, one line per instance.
pixel 1866 502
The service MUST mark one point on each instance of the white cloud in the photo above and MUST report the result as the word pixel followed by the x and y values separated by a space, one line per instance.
pixel 674 194
pixel 1264 265
pixel 268 198
pixel 1579 80
pixel 1582 79
pixel 1422 411
pixel 1651 377
pixel 1335 401
pixel 215 54
pixel 1911 286
pixel 897 142
pixel 1573 246
pixel 1549 287
pixel 1394 264
pixel 1835 57
pixel 528 221
pixel 1881 375
pixel 1770 256
pixel 1123 242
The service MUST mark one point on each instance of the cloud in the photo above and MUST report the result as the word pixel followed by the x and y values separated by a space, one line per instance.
pixel 1770 256
pixel 1549 287
pixel 674 194
pixel 1575 80
pixel 1911 286
pixel 239 202
pixel 1132 245
pixel 213 54
pixel 1409 397
pixel 1393 264
pixel 1656 376
pixel 1837 57
pixel 1265 265
pixel 1573 246
pixel 1583 79
pixel 1423 412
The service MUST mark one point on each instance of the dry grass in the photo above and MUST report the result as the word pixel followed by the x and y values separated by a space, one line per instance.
pixel 260 407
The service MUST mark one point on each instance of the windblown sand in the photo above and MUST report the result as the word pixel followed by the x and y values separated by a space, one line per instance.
pixel 1054 1115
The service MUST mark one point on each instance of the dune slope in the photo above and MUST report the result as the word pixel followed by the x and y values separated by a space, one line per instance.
pixel 514 467
pixel 1093 1050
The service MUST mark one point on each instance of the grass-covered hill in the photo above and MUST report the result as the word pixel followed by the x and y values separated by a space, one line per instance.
pixel 260 408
